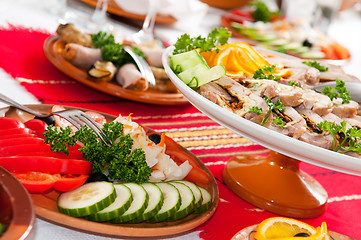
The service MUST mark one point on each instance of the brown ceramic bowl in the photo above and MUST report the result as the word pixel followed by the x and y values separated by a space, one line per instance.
pixel 16 208
pixel 226 4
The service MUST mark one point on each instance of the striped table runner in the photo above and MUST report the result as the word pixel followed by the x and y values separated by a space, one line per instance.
pixel 24 60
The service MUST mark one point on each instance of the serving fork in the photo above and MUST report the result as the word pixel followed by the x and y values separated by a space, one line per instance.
pixel 76 117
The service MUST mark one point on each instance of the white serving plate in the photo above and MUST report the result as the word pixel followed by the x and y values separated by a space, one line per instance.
pixel 268 138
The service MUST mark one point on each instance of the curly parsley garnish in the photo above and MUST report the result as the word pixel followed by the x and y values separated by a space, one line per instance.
pixel 339 91
pixel 118 160
pixel 316 65
pixel 350 138
pixel 112 51
pixel 266 73
pixel 216 37
pixel 291 83
pixel 278 106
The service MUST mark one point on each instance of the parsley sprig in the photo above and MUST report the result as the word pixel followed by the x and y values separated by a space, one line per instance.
pixel 262 13
pixel 272 106
pixel 216 37
pixel 316 65
pixel 119 160
pixel 266 73
pixel 339 91
pixel 112 51
pixel 350 138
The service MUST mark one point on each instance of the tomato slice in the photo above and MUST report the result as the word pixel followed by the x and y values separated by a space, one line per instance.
pixel 6 123
pixel 36 181
pixel 68 182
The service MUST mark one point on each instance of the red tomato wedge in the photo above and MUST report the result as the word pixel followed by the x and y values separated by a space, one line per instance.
pixel 45 164
pixel 14 136
pixel 35 181
pixel 6 123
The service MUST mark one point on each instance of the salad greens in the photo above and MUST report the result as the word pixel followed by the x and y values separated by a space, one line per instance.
pixel 262 13
pixel 119 160
pixel 216 37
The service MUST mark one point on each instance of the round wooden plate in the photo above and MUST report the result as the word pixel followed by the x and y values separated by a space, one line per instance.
pixel 114 8
pixel 53 47
pixel 46 208
pixel 247 234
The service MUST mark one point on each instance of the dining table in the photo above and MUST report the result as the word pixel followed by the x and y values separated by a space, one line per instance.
pixel 28 77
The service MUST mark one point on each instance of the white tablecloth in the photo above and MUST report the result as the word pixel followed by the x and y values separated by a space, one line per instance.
pixel 36 13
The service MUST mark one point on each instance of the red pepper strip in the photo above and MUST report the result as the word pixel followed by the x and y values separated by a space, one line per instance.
pixel 46 165
pixel 196 174
pixel 12 131
pixel 17 136
pixel 35 181
pixel 20 141
pixel 72 154
pixel 69 182
pixel 38 126
pixel 6 123
pixel 28 149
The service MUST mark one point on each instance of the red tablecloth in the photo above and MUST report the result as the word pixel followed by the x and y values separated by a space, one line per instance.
pixel 22 56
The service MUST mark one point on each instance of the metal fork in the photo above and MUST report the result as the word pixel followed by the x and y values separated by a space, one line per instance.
pixel 76 117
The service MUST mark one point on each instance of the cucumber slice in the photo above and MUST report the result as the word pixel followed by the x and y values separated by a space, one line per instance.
pixel 190 74
pixel 118 207
pixel 196 193
pixel 172 202
pixel 214 73
pixel 293 46
pixel 206 202
pixel 187 201
pixel 139 204
pixel 278 42
pixel 154 204
pixel 87 199
pixel 183 61
pixel 313 55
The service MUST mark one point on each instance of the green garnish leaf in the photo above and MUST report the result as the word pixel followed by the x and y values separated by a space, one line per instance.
pixel 278 106
pixel 350 139
pixel 118 160
pixel 291 83
pixel 266 73
pixel 339 91
pixel 262 13
pixel 316 65
pixel 216 37
pixel 112 51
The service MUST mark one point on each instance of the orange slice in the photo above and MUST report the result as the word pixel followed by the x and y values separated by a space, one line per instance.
pixel 282 228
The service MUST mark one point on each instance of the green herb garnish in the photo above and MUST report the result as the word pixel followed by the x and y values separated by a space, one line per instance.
pixel 316 65
pixel 278 106
pixel 291 83
pixel 112 51
pixel 351 137
pixel 216 37
pixel 266 73
pixel 118 160
pixel 262 13
pixel 339 91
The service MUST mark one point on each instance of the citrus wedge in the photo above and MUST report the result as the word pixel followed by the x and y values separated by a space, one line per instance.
pixel 281 227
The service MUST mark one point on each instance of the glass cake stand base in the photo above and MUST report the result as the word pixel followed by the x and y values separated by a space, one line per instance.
pixel 275 183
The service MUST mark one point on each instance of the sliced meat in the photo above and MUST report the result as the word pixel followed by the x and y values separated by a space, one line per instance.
pixel 295 124
pixel 153 55
pixel 80 56
pixel 332 76
pixel 128 76
pixel 290 95
pixel 317 102
pixel 346 110
pixel 335 119
pixel 262 88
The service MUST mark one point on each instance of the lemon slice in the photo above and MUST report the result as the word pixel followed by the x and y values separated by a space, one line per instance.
pixel 281 227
